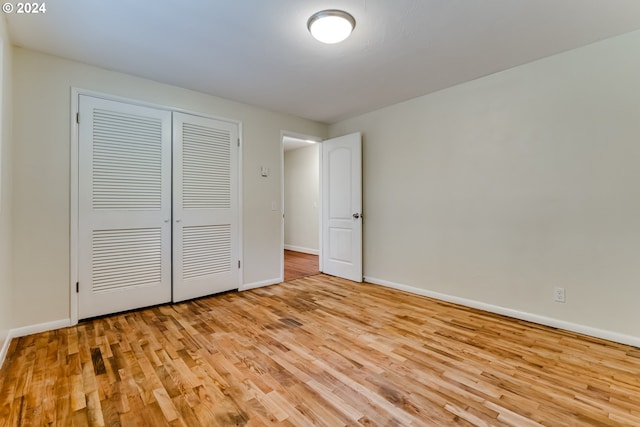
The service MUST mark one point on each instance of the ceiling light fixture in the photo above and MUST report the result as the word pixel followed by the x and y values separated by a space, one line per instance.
pixel 331 25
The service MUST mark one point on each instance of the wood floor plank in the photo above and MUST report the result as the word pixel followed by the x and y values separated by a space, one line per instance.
pixel 322 351
pixel 299 264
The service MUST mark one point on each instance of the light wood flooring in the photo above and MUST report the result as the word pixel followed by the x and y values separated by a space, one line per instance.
pixel 299 264
pixel 317 351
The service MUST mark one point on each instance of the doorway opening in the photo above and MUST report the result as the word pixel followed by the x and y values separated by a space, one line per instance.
pixel 300 205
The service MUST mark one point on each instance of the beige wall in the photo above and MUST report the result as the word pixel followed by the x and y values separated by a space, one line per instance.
pixel 301 188
pixel 6 259
pixel 500 189
pixel 42 86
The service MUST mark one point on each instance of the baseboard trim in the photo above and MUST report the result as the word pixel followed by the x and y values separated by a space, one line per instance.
pixel 5 347
pixel 29 330
pixel 301 249
pixel 521 315
pixel 260 284
pixel 40 327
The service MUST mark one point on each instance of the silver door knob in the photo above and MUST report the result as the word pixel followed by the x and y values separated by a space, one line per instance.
pixel 356 215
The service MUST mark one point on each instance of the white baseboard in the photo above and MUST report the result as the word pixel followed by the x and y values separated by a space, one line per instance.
pixel 521 315
pixel 261 284
pixel 29 330
pixel 5 347
pixel 40 327
pixel 301 249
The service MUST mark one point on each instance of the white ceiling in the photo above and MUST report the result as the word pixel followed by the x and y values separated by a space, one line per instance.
pixel 260 52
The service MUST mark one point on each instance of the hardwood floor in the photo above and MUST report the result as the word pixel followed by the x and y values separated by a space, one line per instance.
pixel 317 351
pixel 298 264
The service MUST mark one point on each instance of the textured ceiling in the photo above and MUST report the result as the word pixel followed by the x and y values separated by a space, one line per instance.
pixel 259 52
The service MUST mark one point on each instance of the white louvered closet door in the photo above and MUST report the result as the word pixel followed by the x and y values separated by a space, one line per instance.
pixel 124 225
pixel 205 206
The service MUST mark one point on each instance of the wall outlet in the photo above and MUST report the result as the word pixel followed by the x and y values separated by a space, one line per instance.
pixel 559 295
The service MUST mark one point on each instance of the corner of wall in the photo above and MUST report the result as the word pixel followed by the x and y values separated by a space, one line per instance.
pixel 4 347
pixel 6 207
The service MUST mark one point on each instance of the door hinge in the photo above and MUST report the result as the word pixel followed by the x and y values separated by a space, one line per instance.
pixel 238 263
pixel 238 142
pixel 77 287
pixel 78 118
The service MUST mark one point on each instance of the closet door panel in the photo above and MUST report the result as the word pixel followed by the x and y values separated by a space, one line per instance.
pixel 205 206
pixel 124 206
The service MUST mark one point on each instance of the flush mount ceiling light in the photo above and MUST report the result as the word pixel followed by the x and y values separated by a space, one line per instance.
pixel 331 26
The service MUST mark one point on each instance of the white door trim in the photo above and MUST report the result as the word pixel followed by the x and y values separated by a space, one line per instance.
pixel 74 181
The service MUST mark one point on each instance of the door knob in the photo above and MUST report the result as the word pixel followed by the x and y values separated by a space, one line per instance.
pixel 356 215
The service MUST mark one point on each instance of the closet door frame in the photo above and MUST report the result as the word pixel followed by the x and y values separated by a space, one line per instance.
pixel 74 182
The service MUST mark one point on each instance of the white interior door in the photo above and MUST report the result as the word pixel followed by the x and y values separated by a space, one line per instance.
pixel 342 207
pixel 205 206
pixel 124 206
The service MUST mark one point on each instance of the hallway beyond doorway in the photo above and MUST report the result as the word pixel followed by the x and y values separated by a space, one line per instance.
pixel 299 264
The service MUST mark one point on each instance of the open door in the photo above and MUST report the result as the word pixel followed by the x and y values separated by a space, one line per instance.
pixel 342 207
